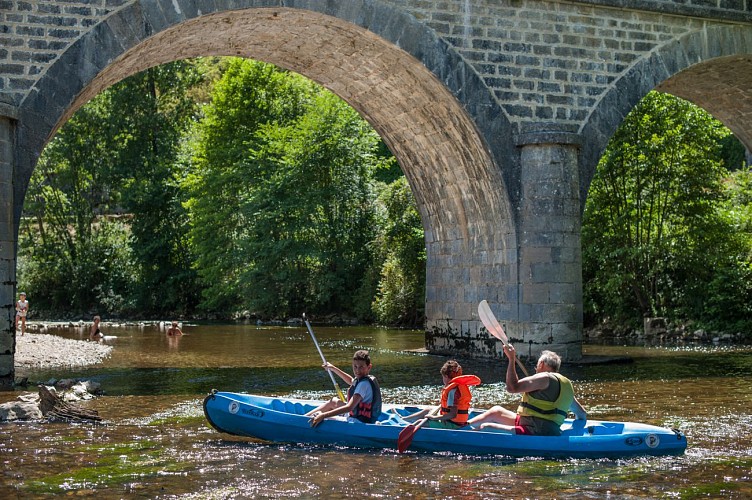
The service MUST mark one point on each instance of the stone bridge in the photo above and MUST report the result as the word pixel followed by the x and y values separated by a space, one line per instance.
pixel 497 110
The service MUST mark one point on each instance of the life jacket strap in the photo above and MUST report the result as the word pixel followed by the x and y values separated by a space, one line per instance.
pixel 459 412
pixel 553 411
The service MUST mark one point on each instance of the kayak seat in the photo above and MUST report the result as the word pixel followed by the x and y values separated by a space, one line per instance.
pixel 293 408
pixel 606 428
pixel 580 428
pixel 390 418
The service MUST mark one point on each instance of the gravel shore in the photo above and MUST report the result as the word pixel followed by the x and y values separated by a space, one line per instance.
pixel 39 350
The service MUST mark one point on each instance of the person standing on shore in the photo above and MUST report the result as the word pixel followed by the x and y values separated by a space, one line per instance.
pixel 22 309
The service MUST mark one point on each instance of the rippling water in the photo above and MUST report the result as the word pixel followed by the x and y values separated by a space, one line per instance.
pixel 154 441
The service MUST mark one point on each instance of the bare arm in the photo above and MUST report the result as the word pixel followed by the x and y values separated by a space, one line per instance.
pixel 447 416
pixel 346 377
pixel 352 403
pixel 535 382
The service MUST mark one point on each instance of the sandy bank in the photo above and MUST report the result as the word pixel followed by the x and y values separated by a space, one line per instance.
pixel 39 350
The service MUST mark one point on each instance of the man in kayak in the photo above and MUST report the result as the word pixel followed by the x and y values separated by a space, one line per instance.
pixel 455 399
pixel 547 396
pixel 363 397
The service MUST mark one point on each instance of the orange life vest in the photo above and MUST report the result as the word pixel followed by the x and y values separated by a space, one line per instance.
pixel 461 399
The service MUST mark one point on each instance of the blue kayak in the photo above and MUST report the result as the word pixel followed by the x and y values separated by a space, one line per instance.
pixel 283 420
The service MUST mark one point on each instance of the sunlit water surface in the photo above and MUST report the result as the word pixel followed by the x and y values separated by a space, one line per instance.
pixel 154 441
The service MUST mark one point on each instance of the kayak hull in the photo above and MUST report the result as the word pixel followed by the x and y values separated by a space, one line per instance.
pixel 283 420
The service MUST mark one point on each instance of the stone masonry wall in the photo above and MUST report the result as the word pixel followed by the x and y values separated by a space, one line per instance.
pixel 34 33
pixel 7 256
pixel 545 61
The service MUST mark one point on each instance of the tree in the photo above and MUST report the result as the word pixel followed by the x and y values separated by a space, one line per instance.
pixel 651 231
pixel 401 288
pixel 146 168
pixel 248 95
pixel 118 153
pixel 70 260
pixel 310 213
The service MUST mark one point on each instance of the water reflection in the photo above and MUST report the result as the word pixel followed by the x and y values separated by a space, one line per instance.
pixel 154 441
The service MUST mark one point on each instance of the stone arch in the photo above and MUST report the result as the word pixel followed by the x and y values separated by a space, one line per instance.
pixel 437 116
pixel 711 68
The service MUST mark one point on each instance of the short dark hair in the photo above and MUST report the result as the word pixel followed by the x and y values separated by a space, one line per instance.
pixel 451 369
pixel 362 355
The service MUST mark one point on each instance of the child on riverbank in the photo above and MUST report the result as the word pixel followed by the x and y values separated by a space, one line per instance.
pixel 22 309
pixel 363 398
pixel 455 399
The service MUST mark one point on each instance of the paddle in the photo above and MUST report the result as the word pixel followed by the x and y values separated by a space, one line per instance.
pixel 495 329
pixel 406 435
pixel 331 375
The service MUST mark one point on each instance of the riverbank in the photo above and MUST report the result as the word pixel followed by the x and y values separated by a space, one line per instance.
pixel 40 350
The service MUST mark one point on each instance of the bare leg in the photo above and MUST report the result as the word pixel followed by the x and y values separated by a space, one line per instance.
pixel 23 325
pixel 417 415
pixel 491 425
pixel 329 405
pixel 496 415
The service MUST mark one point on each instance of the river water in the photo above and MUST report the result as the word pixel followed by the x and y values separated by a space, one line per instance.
pixel 155 443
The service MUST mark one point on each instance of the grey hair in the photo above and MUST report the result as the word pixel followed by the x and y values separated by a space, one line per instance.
pixel 550 359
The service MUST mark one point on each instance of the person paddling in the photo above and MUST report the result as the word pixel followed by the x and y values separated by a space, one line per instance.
pixel 363 398
pixel 547 396
pixel 455 399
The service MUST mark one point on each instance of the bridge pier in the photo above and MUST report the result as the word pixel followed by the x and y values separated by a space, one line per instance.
pixel 7 255
pixel 549 251
pixel 531 275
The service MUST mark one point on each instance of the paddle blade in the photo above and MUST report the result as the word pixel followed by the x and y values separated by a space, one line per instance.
pixel 495 329
pixel 489 321
pixel 406 437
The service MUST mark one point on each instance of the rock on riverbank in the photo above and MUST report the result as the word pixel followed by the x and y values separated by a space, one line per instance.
pixel 39 350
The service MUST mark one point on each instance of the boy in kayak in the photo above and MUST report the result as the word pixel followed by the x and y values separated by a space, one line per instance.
pixel 455 399
pixel 547 396
pixel 363 396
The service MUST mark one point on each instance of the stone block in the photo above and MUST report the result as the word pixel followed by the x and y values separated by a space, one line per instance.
pixel 566 332
pixel 128 33
pixel 535 293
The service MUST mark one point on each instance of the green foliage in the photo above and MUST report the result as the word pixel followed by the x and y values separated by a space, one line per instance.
pixel 247 188
pixel 732 153
pixel 282 206
pixel 70 260
pixel 146 144
pixel 117 153
pixel 401 290
pixel 248 95
pixel 310 214
pixel 655 238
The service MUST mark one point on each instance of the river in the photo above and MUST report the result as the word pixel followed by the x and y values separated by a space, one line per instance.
pixel 155 443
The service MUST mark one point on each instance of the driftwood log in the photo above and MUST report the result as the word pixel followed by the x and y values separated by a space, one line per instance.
pixel 55 409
